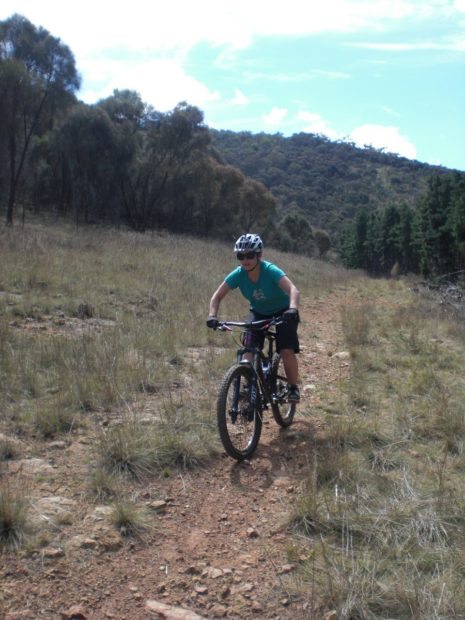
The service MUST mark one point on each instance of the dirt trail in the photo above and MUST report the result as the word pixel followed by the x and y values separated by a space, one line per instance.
pixel 221 547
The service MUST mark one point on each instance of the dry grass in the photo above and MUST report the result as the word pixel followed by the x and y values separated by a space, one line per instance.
pixel 384 507
pixel 15 525
pixel 130 519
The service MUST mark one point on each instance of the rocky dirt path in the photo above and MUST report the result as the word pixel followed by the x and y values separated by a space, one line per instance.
pixel 221 548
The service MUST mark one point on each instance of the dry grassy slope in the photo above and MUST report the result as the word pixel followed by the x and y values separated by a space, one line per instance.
pixel 221 547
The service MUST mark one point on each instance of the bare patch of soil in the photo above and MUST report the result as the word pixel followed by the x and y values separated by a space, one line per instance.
pixel 221 546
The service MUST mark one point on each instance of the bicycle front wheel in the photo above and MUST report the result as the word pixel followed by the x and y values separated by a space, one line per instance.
pixel 239 421
pixel 283 411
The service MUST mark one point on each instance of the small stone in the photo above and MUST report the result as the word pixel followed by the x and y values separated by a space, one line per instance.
pixel 111 541
pixel 252 532
pixel 100 513
pixel 52 553
pixel 88 543
pixel 57 445
pixel 158 505
pixel 310 387
pixel 167 611
pixel 215 573
pixel 218 611
pixel 76 612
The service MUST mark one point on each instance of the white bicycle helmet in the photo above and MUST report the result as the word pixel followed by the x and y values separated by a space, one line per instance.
pixel 248 243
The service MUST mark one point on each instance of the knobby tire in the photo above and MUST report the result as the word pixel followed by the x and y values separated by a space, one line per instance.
pixel 283 411
pixel 239 427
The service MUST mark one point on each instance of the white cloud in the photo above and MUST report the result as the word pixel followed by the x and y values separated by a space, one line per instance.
pixel 163 83
pixel 408 47
pixel 89 26
pixel 314 123
pixel 331 75
pixel 275 117
pixel 239 98
pixel 390 111
pixel 383 137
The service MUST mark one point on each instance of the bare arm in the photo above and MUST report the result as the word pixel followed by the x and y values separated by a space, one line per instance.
pixel 293 292
pixel 218 295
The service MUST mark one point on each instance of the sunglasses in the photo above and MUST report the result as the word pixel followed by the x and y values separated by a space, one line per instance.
pixel 247 255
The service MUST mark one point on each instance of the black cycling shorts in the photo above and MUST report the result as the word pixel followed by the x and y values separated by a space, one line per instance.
pixel 286 333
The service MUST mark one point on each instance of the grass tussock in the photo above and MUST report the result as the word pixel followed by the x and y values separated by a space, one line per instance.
pixel 9 449
pixel 102 485
pixel 14 518
pixel 130 519
pixel 384 508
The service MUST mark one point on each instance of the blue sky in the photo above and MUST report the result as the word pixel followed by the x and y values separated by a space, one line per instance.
pixel 390 73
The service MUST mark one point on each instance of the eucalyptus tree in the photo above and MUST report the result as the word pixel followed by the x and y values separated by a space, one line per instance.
pixel 153 152
pixel 85 142
pixel 37 78
pixel 257 207
pixel 217 195
pixel 295 233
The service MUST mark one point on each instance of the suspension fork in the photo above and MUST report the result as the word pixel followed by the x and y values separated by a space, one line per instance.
pixel 261 381
pixel 256 370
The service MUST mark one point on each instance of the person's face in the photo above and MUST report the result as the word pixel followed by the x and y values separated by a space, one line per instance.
pixel 248 260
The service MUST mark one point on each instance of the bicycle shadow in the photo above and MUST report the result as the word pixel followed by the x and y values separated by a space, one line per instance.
pixel 285 453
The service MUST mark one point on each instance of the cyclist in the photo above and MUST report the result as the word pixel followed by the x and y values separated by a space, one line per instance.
pixel 270 293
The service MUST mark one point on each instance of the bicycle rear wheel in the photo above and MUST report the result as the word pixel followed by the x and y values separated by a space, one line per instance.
pixel 283 411
pixel 239 422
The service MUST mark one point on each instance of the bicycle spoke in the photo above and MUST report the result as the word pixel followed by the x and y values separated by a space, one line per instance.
pixel 238 420
pixel 283 411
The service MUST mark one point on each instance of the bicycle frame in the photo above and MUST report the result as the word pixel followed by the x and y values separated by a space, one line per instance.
pixel 258 356
pixel 259 359
pixel 247 389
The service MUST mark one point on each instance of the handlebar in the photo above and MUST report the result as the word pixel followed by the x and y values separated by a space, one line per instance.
pixel 262 324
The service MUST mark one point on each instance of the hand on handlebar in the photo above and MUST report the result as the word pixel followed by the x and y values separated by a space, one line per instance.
pixel 291 315
pixel 212 322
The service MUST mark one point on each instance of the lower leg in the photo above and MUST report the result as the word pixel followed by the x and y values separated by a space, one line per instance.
pixel 290 365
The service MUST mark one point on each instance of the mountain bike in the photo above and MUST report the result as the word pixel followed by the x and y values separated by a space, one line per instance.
pixel 250 387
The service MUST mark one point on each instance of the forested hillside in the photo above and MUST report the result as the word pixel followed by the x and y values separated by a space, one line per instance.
pixel 328 180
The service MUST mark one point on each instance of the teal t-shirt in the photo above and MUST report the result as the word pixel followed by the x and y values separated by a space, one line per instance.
pixel 265 295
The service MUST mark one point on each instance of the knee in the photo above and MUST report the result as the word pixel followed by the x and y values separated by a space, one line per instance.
pixel 287 353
